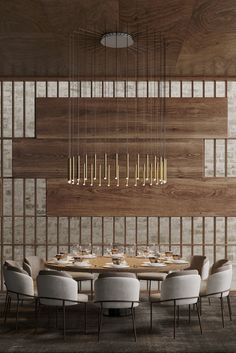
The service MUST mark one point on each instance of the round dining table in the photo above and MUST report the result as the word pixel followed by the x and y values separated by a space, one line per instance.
pixel 101 264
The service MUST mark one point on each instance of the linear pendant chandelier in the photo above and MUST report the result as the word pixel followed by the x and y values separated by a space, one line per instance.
pixel 130 150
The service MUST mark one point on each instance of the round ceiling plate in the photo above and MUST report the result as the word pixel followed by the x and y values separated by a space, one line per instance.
pixel 117 40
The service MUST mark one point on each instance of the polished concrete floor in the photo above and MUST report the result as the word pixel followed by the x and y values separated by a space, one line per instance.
pixel 117 333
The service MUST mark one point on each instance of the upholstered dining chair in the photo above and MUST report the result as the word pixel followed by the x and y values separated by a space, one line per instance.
pixel 19 286
pixel 58 289
pixel 179 288
pixel 218 284
pixel 33 265
pixel 117 293
pixel 201 264
pixel 151 277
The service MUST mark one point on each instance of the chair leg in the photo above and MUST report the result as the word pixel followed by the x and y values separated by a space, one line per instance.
pixel 56 317
pixel 209 301
pixel 85 318
pixel 222 311
pixel 149 288
pixel 200 305
pixel 229 307
pixel 177 315
pixel 8 307
pixel 64 320
pixel 174 317
pixel 199 318
pixel 151 316
pixel 36 316
pixel 91 290
pixel 100 322
pixel 134 326
pixel 17 311
pixel 189 313
pixel 5 305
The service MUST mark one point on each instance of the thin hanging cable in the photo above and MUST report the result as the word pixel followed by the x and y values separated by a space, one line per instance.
pixel 70 113
pixel 127 115
pixel 147 109
pixel 137 122
pixel 106 118
pixel 78 112
pixel 73 111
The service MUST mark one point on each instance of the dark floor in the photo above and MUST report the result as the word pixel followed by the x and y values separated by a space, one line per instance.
pixel 117 332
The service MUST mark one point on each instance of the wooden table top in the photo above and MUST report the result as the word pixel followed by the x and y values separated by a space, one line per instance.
pixel 98 263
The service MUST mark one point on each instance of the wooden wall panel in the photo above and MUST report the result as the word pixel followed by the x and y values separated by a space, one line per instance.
pixel 179 197
pixel 186 117
pixel 47 158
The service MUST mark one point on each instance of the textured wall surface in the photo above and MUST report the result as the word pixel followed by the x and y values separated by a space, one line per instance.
pixel 27 229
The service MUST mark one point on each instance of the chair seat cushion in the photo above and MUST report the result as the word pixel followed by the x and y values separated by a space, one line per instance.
pixel 155 297
pixel 82 298
pixel 151 276
pixel 82 276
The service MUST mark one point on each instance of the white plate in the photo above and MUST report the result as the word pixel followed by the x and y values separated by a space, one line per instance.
pixel 63 262
pixel 117 256
pixel 111 265
pixel 82 264
pixel 180 262
pixel 89 256
pixel 153 264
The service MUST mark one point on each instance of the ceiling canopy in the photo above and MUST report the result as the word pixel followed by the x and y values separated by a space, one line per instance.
pixel 200 34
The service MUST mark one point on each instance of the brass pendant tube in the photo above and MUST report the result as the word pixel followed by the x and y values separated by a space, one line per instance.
pixel 165 171
pixel 144 174
pixel 135 175
pixel 91 174
pixel 138 166
pixel 100 175
pixel 161 169
pixel 84 182
pixel 157 171
pixel 147 163
pixel 151 174
pixel 118 175
pixel 95 167
pixel 116 167
pixel 155 168
pixel 73 170
pixel 69 170
pixel 105 166
pixel 78 170
pixel 86 167
pixel 127 166
pixel 109 175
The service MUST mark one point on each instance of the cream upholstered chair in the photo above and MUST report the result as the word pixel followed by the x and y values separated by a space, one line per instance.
pixel 117 293
pixel 201 264
pixel 218 284
pixel 33 265
pixel 150 277
pixel 59 290
pixel 179 288
pixel 19 286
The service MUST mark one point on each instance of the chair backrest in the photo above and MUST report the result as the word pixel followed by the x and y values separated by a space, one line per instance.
pixel 18 282
pixel 56 286
pixel 201 264
pixel 33 265
pixel 220 279
pixel 116 274
pixel 118 289
pixel 186 286
pixel 220 265
pixel 182 273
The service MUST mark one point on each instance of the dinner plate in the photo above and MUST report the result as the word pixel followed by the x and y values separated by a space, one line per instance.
pixel 180 262
pixel 88 256
pixel 111 265
pixel 63 262
pixel 82 264
pixel 153 264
